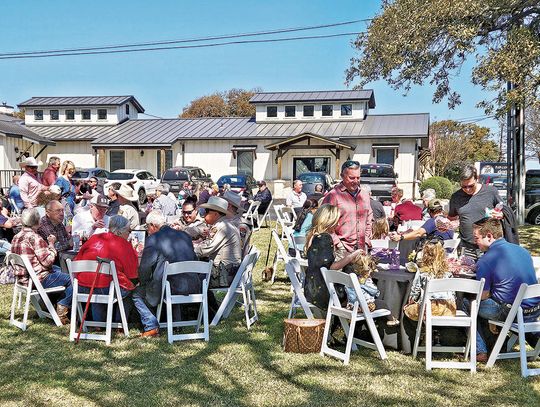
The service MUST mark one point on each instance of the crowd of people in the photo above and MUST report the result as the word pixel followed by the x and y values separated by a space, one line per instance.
pixel 207 223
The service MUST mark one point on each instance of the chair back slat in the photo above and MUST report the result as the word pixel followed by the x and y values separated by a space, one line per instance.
pixel 181 267
pixel 88 266
pixel 464 285
pixel 532 291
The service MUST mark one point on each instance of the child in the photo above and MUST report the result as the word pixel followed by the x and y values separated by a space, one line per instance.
pixel 380 229
pixel 363 266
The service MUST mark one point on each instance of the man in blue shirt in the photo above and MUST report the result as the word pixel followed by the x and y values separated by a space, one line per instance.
pixel 504 266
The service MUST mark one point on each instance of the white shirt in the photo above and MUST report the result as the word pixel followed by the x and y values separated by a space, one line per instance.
pixel 296 200
pixel 83 223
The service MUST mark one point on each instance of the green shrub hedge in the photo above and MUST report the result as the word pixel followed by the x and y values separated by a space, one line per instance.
pixel 443 186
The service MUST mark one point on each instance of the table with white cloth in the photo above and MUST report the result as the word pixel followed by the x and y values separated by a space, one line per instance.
pixel 394 286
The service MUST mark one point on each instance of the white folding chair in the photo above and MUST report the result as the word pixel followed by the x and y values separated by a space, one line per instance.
pixel 285 219
pixel 281 255
pixel 298 244
pixel 460 320
pixel 242 284
pixel 199 267
pixel 451 246
pixel 298 300
pixel 251 213
pixel 360 312
pixel 113 297
pixel 536 265
pixel 264 217
pixel 34 292
pixel 517 329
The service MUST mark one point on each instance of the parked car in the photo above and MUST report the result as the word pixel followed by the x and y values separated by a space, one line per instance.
pixel 84 174
pixel 381 178
pixel 176 177
pixel 310 179
pixel 498 180
pixel 142 181
pixel 240 183
pixel 532 197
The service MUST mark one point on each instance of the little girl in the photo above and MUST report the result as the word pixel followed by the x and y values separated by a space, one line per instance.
pixel 363 266
pixel 380 229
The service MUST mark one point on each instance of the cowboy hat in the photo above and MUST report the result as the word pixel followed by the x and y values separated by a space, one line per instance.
pixel 234 199
pixel 30 162
pixel 215 203
pixel 126 192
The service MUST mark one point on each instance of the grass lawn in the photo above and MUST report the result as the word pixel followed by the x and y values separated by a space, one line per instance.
pixel 237 367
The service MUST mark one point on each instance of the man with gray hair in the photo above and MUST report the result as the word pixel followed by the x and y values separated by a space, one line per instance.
pixel 469 204
pixel 163 202
pixel 376 205
pixel 296 197
pixel 427 195
pixel 50 174
pixel 163 244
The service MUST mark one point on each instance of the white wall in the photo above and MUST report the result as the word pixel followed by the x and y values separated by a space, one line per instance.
pixel 358 112
pixel 121 112
pixel 80 152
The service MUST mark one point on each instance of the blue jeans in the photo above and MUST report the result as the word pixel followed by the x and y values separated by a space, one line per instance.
pixel 99 311
pixel 148 319
pixel 56 279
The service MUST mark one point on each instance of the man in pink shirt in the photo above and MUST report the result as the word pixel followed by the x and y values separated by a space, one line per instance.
pixel 356 216
pixel 50 173
pixel 29 184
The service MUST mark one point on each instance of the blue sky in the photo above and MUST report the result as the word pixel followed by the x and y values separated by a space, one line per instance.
pixel 166 81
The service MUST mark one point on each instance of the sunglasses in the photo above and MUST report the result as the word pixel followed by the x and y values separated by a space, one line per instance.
pixel 349 164
pixel 187 212
pixel 468 186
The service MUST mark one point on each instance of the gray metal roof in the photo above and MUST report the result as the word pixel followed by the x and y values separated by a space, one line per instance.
pixel 9 118
pixel 396 124
pixel 70 133
pixel 314 96
pixel 14 129
pixel 81 101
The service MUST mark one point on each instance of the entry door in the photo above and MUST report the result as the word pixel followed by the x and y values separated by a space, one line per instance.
pixel 310 164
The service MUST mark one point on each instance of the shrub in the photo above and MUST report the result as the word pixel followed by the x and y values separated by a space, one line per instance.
pixel 442 186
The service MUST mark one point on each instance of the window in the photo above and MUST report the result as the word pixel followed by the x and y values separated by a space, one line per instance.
pixel 86 115
pixel 385 153
pixel 118 161
pixel 346 110
pixel 310 164
pixel 127 109
pixel 244 162
pixel 54 114
pixel 70 114
pixel 38 114
pixel 102 114
pixel 290 111
pixel 168 161
pixel 142 175
pixel 271 111
pixel 308 111
pixel 327 110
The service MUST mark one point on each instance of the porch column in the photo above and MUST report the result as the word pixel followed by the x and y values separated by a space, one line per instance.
pixel 101 158
pixel 162 161
pixel 338 163
pixel 279 165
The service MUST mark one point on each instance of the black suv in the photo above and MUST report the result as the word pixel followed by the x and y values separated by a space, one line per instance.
pixel 176 177
pixel 381 178
pixel 532 197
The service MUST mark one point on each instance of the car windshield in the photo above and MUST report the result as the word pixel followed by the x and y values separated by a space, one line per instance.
pixel 312 178
pixel 376 171
pixel 81 174
pixel 120 176
pixel 232 180
pixel 174 175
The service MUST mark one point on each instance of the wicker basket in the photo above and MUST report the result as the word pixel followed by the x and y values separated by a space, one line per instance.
pixel 303 335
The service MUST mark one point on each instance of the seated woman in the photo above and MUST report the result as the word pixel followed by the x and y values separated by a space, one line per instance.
pixel 304 220
pixel 111 245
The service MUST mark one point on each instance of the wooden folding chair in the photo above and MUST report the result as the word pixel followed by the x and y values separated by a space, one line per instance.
pixel 199 267
pixel 517 330
pixel 360 312
pixel 79 298
pixel 242 284
pixel 33 292
pixel 461 319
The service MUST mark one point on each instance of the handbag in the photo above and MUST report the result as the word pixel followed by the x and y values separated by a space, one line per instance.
pixel 439 308
pixel 303 335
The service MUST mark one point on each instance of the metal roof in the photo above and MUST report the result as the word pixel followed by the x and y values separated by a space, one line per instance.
pixel 314 96
pixel 71 132
pixel 81 101
pixel 14 129
pixel 396 124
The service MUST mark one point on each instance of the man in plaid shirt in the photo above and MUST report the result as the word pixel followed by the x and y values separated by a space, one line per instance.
pixel 356 216
pixel 52 224
pixel 41 255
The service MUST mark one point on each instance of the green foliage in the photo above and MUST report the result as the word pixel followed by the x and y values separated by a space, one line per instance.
pixel 231 103
pixel 416 41
pixel 442 186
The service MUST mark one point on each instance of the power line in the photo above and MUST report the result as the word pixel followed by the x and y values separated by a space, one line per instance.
pixel 197 39
pixel 219 44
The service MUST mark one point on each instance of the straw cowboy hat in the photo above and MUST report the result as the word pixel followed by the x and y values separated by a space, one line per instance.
pixel 126 192
pixel 234 199
pixel 30 162
pixel 217 204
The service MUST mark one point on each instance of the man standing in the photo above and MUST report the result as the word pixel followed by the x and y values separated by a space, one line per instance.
pixel 376 205
pixel 52 224
pixel 29 184
pixel 163 202
pixel 114 203
pixel 356 216
pixel 296 197
pixel 469 205
pixel 91 220
pixel 50 174
pixel 163 244
pixel 504 266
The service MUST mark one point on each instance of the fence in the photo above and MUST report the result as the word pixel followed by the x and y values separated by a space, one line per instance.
pixel 5 178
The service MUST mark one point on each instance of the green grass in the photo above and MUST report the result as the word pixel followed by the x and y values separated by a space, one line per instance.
pixel 237 367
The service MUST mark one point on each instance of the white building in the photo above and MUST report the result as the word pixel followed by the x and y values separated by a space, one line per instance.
pixel 292 132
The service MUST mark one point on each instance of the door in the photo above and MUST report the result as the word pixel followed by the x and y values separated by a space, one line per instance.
pixel 117 160
pixel 310 164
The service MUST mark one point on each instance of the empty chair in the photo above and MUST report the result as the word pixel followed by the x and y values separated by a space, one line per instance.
pixel 251 214
pixel 460 320
pixel 359 313
pixel 518 329
pixel 298 300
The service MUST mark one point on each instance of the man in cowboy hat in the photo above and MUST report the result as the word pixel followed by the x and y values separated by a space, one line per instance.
pixel 236 210
pixel 29 183
pixel 222 245
pixel 125 196
pixel 92 220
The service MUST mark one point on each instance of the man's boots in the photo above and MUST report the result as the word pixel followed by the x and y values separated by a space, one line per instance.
pixel 63 313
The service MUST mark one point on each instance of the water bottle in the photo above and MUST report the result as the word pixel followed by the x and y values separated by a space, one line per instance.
pixel 76 242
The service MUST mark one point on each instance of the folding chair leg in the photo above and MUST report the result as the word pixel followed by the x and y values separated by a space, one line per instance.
pixel 350 338
pixel 376 338
pixel 326 333
pixel 498 345
pixel 73 322
pixel 429 343
pixel 417 338
pixel 205 311
pixel 26 309
pixel 169 320
pixel 108 325
pixel 472 342
pixel 16 298
pixel 522 347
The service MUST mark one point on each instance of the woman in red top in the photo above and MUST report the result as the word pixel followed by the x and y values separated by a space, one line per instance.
pixel 112 245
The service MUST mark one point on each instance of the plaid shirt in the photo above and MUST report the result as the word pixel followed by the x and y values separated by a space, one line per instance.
pixel 46 228
pixel 356 216
pixel 28 243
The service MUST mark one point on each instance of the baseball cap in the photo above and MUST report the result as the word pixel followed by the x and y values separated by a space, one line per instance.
pixel 260 183
pixel 435 204
pixel 100 200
